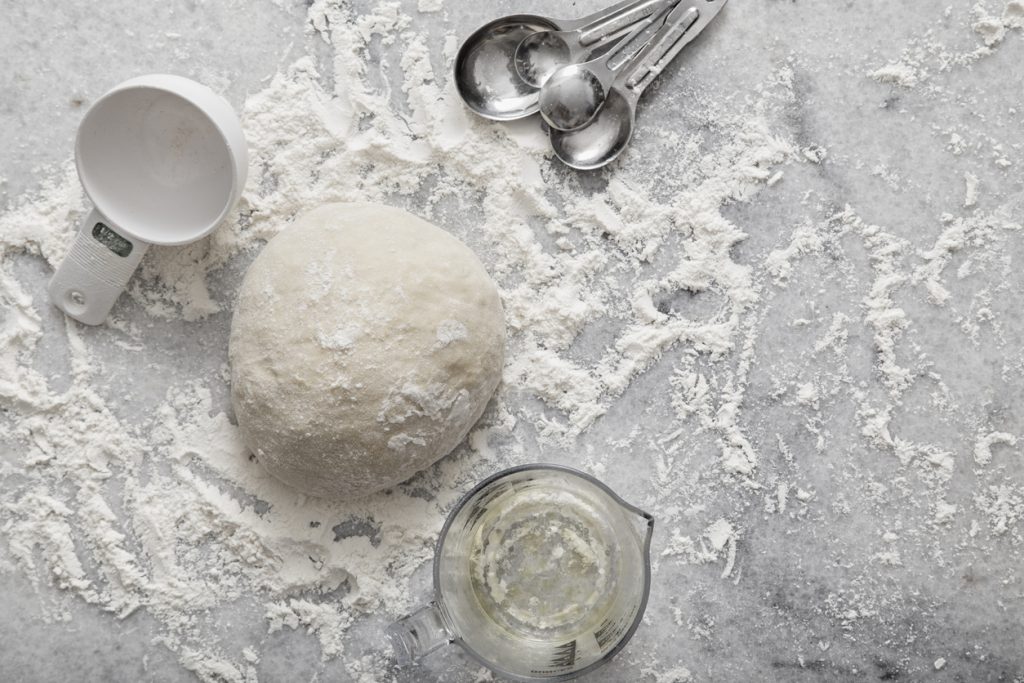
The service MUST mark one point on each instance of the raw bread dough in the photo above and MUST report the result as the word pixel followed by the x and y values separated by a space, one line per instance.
pixel 365 345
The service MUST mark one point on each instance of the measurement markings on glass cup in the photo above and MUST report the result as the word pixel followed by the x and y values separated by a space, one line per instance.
pixel 565 655
pixel 609 632
pixel 564 658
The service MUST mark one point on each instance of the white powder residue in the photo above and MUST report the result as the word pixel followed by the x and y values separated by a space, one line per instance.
pixel 677 674
pixel 318 279
pixel 983 446
pixel 970 190
pixel 991 30
pixel 779 263
pixel 450 331
pixel 899 73
pixel 326 621
pixel 807 394
pixel 945 512
pixel 928 56
pixel 718 541
pixel 340 339
pixel 399 441
pixel 1003 505
pixel 720 533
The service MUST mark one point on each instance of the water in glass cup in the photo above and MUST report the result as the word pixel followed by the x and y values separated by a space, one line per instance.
pixel 542 573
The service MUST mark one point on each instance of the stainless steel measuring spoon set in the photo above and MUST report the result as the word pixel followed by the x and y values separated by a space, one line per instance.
pixel 583 76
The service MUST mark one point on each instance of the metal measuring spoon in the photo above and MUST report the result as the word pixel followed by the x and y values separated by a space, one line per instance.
pixel 605 138
pixel 543 53
pixel 574 94
pixel 485 71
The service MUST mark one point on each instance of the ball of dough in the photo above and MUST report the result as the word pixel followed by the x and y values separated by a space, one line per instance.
pixel 365 345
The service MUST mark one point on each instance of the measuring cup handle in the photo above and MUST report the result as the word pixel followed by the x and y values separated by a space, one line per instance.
pixel 617 20
pixel 419 634
pixel 91 276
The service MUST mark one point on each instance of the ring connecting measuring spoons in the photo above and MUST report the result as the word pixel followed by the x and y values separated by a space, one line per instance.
pixel 163 160
pixel 485 67
pixel 571 98
pixel 605 138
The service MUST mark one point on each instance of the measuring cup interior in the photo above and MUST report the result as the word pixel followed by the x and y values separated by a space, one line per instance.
pixel 543 572
pixel 155 165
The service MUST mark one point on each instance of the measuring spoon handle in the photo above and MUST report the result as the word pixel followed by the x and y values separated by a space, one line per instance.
pixel 615 21
pixel 686 22
pixel 630 47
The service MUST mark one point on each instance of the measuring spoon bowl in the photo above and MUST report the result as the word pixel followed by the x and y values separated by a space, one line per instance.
pixel 572 97
pixel 601 142
pixel 604 138
pixel 485 73
pixel 574 94
pixel 543 53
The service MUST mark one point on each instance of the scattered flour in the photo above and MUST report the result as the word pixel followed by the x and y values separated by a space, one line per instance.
pixel 450 331
pixel 970 190
pixel 927 55
pixel 678 674
pixel 901 74
pixel 984 444
pixel 170 516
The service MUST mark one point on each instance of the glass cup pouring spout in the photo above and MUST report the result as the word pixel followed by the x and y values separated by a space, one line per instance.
pixel 541 573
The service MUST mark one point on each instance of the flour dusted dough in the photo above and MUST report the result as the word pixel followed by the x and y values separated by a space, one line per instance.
pixel 365 344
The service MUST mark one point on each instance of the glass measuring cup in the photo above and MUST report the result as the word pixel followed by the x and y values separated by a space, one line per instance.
pixel 541 573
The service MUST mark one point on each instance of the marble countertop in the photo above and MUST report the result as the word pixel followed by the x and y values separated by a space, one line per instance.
pixel 843 568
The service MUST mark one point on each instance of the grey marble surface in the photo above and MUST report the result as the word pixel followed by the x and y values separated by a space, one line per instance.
pixel 957 596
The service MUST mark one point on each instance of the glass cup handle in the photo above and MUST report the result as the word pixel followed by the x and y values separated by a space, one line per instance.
pixel 419 634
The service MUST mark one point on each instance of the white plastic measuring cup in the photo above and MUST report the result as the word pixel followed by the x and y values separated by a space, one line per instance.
pixel 163 160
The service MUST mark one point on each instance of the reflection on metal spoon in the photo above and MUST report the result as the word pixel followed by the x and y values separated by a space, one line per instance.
pixel 485 66
pixel 485 75
pixel 542 54
pixel 545 52
pixel 604 139
pixel 610 132
pixel 574 94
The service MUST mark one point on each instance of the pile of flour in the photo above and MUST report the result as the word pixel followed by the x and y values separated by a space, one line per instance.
pixel 169 515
